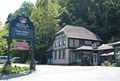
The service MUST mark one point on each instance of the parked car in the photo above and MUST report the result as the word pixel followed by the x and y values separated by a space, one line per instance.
pixel 3 59
pixel 17 60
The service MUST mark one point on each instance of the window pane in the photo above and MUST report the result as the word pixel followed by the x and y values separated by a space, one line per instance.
pixel 56 43
pixel 63 57
pixel 71 42
pixel 55 55
pixel 76 43
pixel 59 54
pixel 63 40
pixel 81 42
pixel 60 41
pixel 88 42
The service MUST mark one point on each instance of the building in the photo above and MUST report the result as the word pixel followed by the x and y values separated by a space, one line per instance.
pixel 106 53
pixel 74 45
pixel 116 51
pixel 109 52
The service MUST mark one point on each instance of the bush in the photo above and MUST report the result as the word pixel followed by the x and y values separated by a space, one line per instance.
pixel 114 64
pixel 106 63
pixel 118 64
pixel 18 69
pixel 0 71
pixel 12 69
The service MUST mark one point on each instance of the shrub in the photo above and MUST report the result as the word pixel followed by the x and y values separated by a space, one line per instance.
pixel 106 63
pixel 114 64
pixel 18 69
pixel 0 71
pixel 6 69
pixel 118 64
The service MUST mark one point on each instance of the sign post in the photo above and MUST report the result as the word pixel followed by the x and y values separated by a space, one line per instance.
pixel 8 54
pixel 32 63
pixel 22 28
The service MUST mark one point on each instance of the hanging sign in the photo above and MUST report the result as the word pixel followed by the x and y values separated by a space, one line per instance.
pixel 21 46
pixel 21 28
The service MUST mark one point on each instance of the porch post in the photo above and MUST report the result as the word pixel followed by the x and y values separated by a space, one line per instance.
pixel 115 55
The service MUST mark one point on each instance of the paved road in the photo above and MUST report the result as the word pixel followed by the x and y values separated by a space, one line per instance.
pixel 67 73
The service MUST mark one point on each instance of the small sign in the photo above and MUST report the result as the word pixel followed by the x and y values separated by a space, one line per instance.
pixel 21 46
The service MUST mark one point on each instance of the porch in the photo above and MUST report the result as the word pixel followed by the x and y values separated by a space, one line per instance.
pixel 86 56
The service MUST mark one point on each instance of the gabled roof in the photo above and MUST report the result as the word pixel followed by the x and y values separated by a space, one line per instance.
pixel 78 32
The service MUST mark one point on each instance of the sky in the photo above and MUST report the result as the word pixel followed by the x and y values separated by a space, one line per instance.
pixel 10 6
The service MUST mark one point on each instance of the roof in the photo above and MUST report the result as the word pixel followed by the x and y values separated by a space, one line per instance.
pixel 115 43
pixel 105 47
pixel 107 54
pixel 104 54
pixel 111 53
pixel 78 32
pixel 87 48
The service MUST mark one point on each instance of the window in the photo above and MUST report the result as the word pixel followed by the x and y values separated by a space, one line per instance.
pixel 59 54
pixel 76 43
pixel 63 56
pixel 55 55
pixel 98 43
pixel 63 40
pixel 88 42
pixel 56 43
pixel 81 42
pixel 60 41
pixel 70 42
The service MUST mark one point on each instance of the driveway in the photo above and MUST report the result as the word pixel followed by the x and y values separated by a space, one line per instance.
pixel 67 73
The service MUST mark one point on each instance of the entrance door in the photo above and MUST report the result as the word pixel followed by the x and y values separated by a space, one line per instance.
pixel 95 59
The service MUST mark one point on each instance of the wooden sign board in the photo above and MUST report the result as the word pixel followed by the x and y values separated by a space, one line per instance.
pixel 21 28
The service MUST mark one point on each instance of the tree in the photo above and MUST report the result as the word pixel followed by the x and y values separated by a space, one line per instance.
pixel 99 16
pixel 27 8
pixel 46 20
pixel 0 25
pixel 3 42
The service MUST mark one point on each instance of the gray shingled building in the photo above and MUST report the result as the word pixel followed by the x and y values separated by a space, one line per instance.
pixel 74 45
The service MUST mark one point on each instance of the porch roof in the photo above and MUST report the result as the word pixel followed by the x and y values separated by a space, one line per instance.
pixel 104 54
pixel 87 48
pixel 105 47
pixel 115 43
pixel 107 54
pixel 111 53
